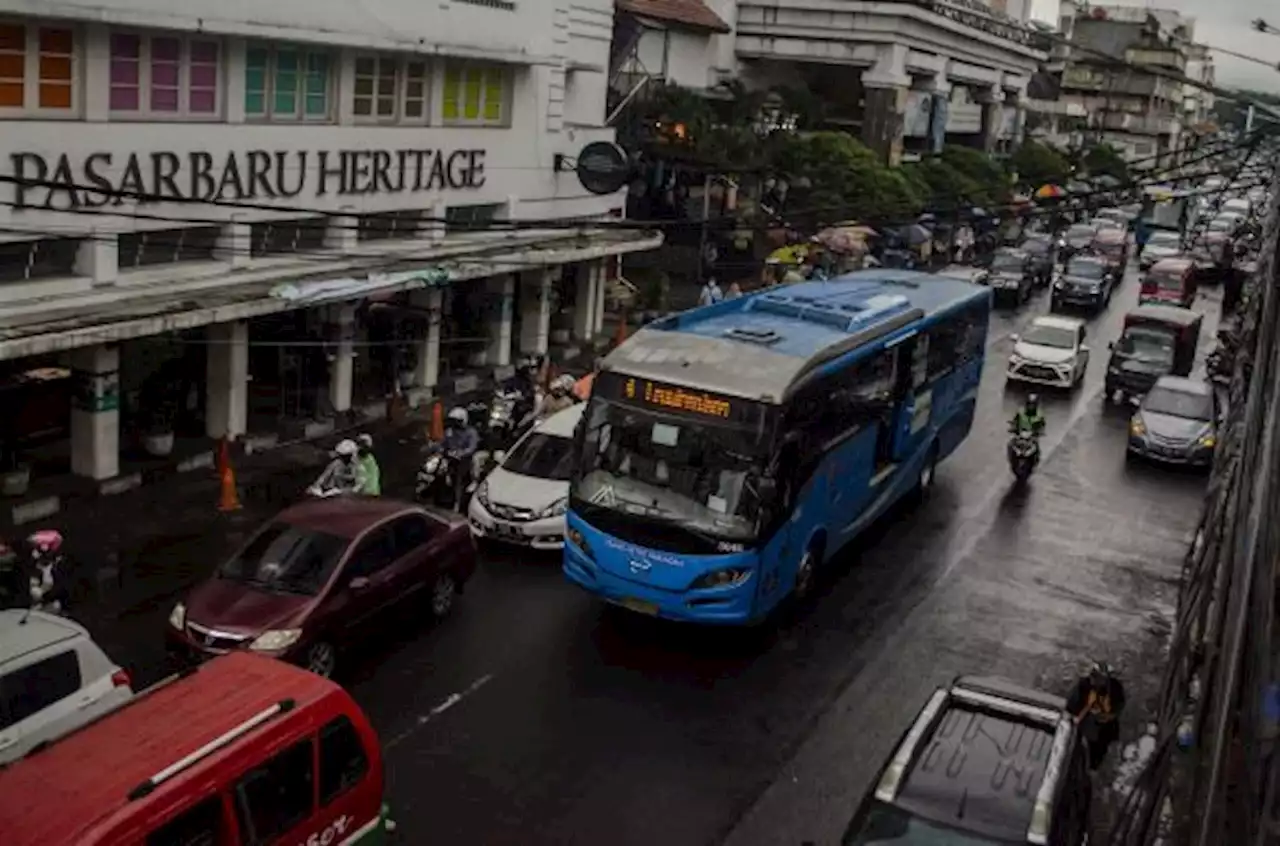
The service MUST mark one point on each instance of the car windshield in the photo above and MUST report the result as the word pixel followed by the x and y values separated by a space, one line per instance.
pixel 1087 269
pixel 1050 336
pixel 286 559
pixel 692 474
pixel 1153 346
pixel 886 825
pixel 1007 263
pixel 1177 403
pixel 1164 239
pixel 543 457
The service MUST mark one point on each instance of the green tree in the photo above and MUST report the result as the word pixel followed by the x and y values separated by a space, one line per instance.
pixel 1039 164
pixel 1106 160
pixel 990 181
pixel 835 177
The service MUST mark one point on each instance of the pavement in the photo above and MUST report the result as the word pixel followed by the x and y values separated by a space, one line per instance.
pixel 537 715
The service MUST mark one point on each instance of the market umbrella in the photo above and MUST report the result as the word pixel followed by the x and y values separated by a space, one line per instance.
pixel 791 254
pixel 1045 192
pixel 845 239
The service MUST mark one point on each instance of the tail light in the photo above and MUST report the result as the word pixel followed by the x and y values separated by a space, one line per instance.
pixel 120 678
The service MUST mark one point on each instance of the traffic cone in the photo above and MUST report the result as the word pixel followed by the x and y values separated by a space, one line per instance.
pixel 621 334
pixel 228 500
pixel 437 422
pixel 224 457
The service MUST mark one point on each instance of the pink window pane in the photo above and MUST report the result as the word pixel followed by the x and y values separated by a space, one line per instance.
pixel 164 75
pixel 165 49
pixel 164 99
pixel 125 46
pixel 204 52
pixel 203 102
pixel 204 76
pixel 124 72
pixel 124 99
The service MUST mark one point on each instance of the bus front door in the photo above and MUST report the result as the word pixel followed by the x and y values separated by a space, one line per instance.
pixel 913 400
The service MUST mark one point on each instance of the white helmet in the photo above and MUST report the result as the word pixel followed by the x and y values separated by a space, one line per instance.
pixel 458 416
pixel 345 448
pixel 365 440
pixel 562 385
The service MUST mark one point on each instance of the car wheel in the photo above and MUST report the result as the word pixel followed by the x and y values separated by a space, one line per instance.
pixel 444 592
pixel 322 659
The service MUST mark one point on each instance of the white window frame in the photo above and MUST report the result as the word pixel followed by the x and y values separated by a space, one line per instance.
pixel 508 95
pixel 144 112
pixel 400 113
pixel 31 73
pixel 331 90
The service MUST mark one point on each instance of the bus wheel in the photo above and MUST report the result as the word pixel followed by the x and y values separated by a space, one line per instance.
pixel 924 484
pixel 805 572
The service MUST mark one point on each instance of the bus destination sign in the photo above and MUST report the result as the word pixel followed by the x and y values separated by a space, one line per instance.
pixel 677 399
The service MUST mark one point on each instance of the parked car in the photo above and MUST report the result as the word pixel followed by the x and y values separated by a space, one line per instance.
pixel 322 574
pixel 1052 352
pixel 1086 281
pixel 943 784
pixel 1160 245
pixel 53 680
pixel 241 750
pixel 1176 423
pixel 524 499
pixel 1008 276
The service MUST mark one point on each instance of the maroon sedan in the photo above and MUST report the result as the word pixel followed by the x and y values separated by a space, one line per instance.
pixel 322 574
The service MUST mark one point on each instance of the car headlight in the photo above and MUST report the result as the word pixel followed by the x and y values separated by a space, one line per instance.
pixel 1137 428
pixel 275 640
pixel 482 493
pixel 1058 284
pixel 731 577
pixel 178 616
pixel 555 509
pixel 1016 360
pixel 1208 440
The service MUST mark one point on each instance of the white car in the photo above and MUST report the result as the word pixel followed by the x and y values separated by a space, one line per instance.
pixel 53 680
pixel 523 500
pixel 1052 352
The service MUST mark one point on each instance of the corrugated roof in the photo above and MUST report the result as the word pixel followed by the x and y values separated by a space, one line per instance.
pixel 690 13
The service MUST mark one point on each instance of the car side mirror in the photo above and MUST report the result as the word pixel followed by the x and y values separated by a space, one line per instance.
pixel 359 583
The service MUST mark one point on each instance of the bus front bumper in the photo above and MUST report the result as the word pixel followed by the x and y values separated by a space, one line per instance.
pixel 734 605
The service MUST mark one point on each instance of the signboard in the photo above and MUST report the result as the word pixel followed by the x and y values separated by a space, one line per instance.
pixel 677 399
pixel 95 392
pixel 602 167
pixel 915 123
pixel 52 181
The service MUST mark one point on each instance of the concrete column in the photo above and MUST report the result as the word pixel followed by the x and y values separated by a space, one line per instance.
pixel 97 57
pixel 992 101
pixel 342 320
pixel 235 242
pixel 227 380
pixel 342 234
pixel 602 292
pixel 502 291
pixel 95 412
pixel 535 311
pixel 939 90
pixel 427 371
pixel 98 257
pixel 885 89
pixel 584 303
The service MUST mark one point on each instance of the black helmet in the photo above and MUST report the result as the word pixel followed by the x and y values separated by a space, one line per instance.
pixel 1033 402
pixel 1099 674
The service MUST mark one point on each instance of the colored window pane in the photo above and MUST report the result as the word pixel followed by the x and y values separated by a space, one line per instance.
pixel 203 101
pixel 13 37
pixel 56 41
pixel 204 76
pixel 473 90
pixel 317 105
pixel 124 72
pixel 164 99
pixel 204 52
pixel 495 94
pixel 13 66
pixel 164 74
pixel 11 94
pixel 124 98
pixel 255 79
pixel 452 91
pixel 55 68
pixel 285 103
pixel 166 50
pixel 125 46
pixel 55 95
pixel 255 103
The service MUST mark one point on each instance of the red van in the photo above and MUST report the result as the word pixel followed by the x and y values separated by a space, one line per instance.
pixel 243 750
pixel 1170 281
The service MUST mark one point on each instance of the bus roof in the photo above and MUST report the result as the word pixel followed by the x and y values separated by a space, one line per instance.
pixel 57 794
pixel 759 346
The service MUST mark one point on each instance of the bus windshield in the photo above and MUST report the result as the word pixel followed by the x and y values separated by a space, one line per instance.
pixel 655 467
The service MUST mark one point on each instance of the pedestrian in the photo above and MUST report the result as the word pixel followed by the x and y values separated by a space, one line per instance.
pixel 735 291
pixel 711 292
pixel 371 475
pixel 1095 704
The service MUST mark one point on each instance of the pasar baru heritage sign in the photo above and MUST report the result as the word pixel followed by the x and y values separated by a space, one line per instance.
pixel 51 183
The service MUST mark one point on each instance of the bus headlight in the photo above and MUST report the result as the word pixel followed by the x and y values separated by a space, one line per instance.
pixel 731 577
pixel 576 538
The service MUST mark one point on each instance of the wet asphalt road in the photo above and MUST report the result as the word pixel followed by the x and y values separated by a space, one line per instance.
pixel 536 715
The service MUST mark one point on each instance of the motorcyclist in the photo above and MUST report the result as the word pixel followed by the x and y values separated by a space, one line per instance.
pixel 460 443
pixel 558 398
pixel 48 582
pixel 1029 419
pixel 344 473
pixel 1095 704
pixel 371 473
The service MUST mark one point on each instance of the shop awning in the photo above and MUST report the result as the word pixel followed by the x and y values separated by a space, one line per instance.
pixel 69 327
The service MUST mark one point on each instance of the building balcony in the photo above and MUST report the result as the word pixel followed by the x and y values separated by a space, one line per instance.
pixel 1141 124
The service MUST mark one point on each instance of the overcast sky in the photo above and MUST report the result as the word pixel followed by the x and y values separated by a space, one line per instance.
pixel 1219 23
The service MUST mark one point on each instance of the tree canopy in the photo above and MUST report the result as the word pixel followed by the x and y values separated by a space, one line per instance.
pixel 1105 160
pixel 1038 164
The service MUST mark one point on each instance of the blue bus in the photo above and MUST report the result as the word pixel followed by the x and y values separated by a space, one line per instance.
pixel 726 451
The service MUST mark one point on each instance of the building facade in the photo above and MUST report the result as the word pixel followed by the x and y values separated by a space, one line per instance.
pixel 211 221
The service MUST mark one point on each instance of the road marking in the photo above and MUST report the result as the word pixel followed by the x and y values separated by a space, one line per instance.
pixel 447 703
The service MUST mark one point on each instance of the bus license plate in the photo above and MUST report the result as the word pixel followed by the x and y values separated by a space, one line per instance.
pixel 640 607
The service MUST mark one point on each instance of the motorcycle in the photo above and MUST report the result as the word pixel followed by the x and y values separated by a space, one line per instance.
pixel 436 483
pixel 47 586
pixel 1024 454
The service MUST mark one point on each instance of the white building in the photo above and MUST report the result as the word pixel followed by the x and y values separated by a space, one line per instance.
pixel 224 188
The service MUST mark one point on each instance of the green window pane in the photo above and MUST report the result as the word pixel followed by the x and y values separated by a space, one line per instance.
pixel 286 103
pixel 286 60
pixel 471 98
pixel 255 79
pixel 255 103
pixel 318 63
pixel 317 105
pixel 317 84
pixel 495 94
pixel 256 59
pixel 452 93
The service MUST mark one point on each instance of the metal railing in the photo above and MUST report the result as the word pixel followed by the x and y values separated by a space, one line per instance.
pixel 1213 777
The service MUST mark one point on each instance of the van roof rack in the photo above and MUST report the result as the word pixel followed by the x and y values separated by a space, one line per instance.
pixel 147 787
